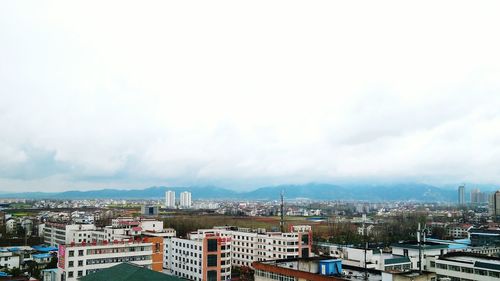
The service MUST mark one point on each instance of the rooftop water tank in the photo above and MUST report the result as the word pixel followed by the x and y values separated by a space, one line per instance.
pixel 330 267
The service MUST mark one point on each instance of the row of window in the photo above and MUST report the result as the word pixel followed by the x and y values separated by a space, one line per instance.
pixel 274 276
pixel 115 260
pixel 468 270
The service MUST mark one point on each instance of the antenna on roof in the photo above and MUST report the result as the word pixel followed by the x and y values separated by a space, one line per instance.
pixel 282 208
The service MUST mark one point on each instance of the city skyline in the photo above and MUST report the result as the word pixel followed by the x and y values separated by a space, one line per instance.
pixel 307 93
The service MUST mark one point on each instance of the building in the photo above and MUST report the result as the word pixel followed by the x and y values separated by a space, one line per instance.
pixel 375 258
pixel 185 200
pixel 461 195
pixel 78 260
pixel 484 237
pixel 8 259
pixel 477 197
pixel 250 245
pixel 412 250
pixel 313 269
pixel 467 266
pixel 203 255
pixel 55 234
pixel 210 253
pixel 170 199
pixel 128 272
pixel 457 231
pixel 494 205
pixel 149 210
pixel 408 276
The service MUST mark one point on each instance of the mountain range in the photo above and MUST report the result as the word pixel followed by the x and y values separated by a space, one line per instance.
pixel 315 191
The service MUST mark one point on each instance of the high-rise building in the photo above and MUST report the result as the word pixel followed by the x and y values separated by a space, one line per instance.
pixel 185 201
pixel 461 195
pixel 475 196
pixel 170 199
pixel 494 205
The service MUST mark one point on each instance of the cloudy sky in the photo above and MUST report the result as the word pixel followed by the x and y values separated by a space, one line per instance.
pixel 246 93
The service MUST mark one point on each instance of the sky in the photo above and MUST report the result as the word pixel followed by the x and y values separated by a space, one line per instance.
pixel 242 94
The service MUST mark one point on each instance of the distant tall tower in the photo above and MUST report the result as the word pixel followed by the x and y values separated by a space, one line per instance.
pixel 475 196
pixel 282 212
pixel 461 195
pixel 494 205
pixel 185 201
pixel 170 199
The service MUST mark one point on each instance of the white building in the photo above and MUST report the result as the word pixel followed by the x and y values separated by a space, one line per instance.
pixel 9 259
pixel 78 260
pixel 249 245
pixel 170 199
pixel 429 250
pixel 204 255
pixel 185 200
pixel 55 234
pixel 466 266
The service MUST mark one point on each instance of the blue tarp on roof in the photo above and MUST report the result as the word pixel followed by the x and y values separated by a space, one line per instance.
pixel 42 256
pixel 14 249
pixel 42 248
pixel 3 274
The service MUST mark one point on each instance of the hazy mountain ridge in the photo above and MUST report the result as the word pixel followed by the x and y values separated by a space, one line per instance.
pixel 315 191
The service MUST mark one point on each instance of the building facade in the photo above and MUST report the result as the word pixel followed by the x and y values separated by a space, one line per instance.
pixel 494 205
pixel 467 266
pixel 461 195
pixel 185 200
pixel 170 199
pixel 78 260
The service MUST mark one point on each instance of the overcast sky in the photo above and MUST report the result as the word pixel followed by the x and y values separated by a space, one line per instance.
pixel 247 93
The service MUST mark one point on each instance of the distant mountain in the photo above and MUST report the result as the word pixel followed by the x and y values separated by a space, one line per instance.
pixel 148 193
pixel 393 192
pixel 314 191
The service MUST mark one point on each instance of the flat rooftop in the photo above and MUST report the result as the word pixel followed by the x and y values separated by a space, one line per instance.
pixel 298 265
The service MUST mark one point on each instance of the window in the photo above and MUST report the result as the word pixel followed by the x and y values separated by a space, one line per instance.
pixel 80 273
pixel 80 252
pixel 71 253
pixel 211 245
pixel 70 274
pixel 480 272
pixel 212 275
pixel 212 260
pixel 441 266
pixel 70 264
pixel 80 263
pixel 494 274
pixel 467 270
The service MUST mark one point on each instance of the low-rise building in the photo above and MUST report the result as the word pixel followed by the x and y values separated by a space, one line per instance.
pixel 312 269
pixel 77 260
pixel 467 266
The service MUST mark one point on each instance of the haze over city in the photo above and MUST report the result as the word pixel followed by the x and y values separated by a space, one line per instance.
pixel 243 95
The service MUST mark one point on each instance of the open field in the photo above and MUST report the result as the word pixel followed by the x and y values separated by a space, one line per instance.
pixel 186 223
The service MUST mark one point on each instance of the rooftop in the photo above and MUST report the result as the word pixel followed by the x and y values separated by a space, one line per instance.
pixel 128 272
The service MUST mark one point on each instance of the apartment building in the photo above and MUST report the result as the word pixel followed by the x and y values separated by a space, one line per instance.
pixel 55 234
pixel 203 255
pixel 249 245
pixel 77 260
pixel 458 231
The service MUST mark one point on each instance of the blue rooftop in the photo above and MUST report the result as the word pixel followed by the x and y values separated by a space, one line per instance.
pixel 42 256
pixel 43 248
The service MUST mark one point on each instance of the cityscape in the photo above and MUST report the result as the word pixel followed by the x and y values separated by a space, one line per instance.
pixel 185 238
pixel 225 140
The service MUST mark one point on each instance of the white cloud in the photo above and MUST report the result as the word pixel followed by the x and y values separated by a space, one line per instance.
pixel 240 94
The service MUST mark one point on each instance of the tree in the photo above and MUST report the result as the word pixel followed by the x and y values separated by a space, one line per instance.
pixel 52 263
